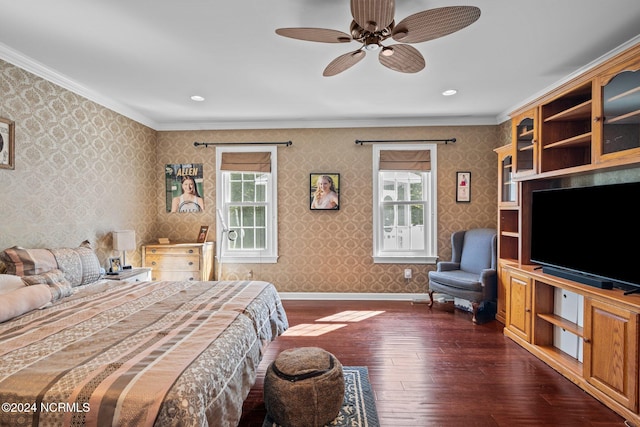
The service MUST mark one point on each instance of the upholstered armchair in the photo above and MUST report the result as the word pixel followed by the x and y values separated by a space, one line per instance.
pixel 471 273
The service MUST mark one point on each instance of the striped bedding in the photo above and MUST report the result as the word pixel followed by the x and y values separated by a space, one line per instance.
pixel 140 354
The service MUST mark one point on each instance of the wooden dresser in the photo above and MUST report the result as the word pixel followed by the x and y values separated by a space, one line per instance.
pixel 180 261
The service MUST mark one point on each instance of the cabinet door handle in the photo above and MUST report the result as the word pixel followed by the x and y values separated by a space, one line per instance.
pixel 586 340
pixel 596 119
pixel 527 310
pixel 190 251
pixel 190 262
pixel 153 263
pixel 153 251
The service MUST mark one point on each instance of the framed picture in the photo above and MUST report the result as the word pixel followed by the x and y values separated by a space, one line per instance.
pixel 7 144
pixel 184 187
pixel 463 187
pixel 324 191
pixel 202 234
pixel 115 265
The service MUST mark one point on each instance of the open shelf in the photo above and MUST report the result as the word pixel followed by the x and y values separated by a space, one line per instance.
pixel 562 358
pixel 574 141
pixel 560 322
pixel 579 112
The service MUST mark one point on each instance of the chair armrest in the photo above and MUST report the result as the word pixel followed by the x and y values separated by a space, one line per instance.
pixel 488 276
pixel 448 266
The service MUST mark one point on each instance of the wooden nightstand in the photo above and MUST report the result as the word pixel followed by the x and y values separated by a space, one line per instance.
pixel 133 275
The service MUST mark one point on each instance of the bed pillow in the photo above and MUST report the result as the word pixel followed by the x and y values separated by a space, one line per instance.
pixel 80 265
pixel 23 300
pixel 26 262
pixel 9 282
pixel 59 286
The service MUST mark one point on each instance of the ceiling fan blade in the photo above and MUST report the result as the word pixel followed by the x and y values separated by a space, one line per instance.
pixel 402 57
pixel 343 62
pixel 433 23
pixel 373 15
pixel 315 35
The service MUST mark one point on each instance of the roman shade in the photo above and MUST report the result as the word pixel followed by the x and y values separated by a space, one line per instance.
pixel 246 162
pixel 411 160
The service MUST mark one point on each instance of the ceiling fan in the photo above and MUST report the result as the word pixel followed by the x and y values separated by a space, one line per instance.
pixel 373 22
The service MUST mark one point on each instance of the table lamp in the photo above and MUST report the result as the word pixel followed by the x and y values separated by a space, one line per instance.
pixel 123 241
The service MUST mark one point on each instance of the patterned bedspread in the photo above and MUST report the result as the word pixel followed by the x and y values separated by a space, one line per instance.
pixel 148 353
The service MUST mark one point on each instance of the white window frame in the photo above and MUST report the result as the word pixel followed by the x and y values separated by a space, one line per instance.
pixel 269 255
pixel 430 254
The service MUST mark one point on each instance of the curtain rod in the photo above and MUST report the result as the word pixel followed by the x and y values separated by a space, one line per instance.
pixel 446 141
pixel 206 144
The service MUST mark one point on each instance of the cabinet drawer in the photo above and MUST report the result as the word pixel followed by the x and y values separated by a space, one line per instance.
pixel 172 251
pixel 175 275
pixel 168 262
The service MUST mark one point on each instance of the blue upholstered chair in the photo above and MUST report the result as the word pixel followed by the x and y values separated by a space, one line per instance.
pixel 471 273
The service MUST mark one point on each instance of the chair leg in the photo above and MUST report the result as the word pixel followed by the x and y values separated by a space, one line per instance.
pixel 474 310
pixel 430 303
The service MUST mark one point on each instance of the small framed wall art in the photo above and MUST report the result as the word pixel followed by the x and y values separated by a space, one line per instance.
pixel 7 144
pixel 202 234
pixel 463 187
pixel 324 191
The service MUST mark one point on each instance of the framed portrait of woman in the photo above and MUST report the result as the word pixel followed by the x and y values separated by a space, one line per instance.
pixel 324 191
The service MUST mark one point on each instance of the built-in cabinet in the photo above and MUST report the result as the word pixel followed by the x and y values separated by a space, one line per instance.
pixel 589 125
pixel 595 343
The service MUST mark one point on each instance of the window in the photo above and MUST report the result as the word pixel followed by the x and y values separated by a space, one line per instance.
pixel 246 198
pixel 404 204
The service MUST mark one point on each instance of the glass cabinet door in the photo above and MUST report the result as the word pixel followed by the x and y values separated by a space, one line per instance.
pixel 508 186
pixel 524 140
pixel 621 113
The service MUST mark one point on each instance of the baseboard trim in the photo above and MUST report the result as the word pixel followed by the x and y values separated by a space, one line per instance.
pixel 340 296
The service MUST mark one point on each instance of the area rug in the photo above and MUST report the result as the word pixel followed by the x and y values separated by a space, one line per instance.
pixel 359 406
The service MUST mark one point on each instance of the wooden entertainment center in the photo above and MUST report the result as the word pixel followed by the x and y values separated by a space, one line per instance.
pixel 586 129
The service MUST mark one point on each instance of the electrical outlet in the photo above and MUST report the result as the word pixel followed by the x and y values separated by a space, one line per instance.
pixel 407 273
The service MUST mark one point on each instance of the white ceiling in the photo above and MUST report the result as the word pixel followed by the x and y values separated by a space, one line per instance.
pixel 145 58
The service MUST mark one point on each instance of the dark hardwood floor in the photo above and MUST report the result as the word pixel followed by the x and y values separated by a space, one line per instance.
pixel 435 368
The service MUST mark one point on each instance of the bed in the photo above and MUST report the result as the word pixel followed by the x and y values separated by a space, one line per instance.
pixel 132 354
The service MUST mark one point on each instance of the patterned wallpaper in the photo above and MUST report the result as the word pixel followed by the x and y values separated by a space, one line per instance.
pixel 330 251
pixel 83 170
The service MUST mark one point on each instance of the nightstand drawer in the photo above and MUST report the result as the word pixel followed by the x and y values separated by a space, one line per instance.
pixel 170 262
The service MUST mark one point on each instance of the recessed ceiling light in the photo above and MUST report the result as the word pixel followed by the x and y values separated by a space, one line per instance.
pixel 449 92
pixel 197 98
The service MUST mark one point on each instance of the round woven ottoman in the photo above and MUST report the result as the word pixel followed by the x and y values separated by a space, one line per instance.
pixel 304 387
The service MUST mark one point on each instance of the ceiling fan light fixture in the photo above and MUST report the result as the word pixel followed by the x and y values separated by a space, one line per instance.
pixel 387 51
pixel 197 98
pixel 371 46
pixel 449 92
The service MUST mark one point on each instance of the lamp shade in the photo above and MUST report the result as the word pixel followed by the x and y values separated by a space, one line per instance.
pixel 124 240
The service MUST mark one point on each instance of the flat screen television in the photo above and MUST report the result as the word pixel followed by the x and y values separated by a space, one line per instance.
pixel 589 234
